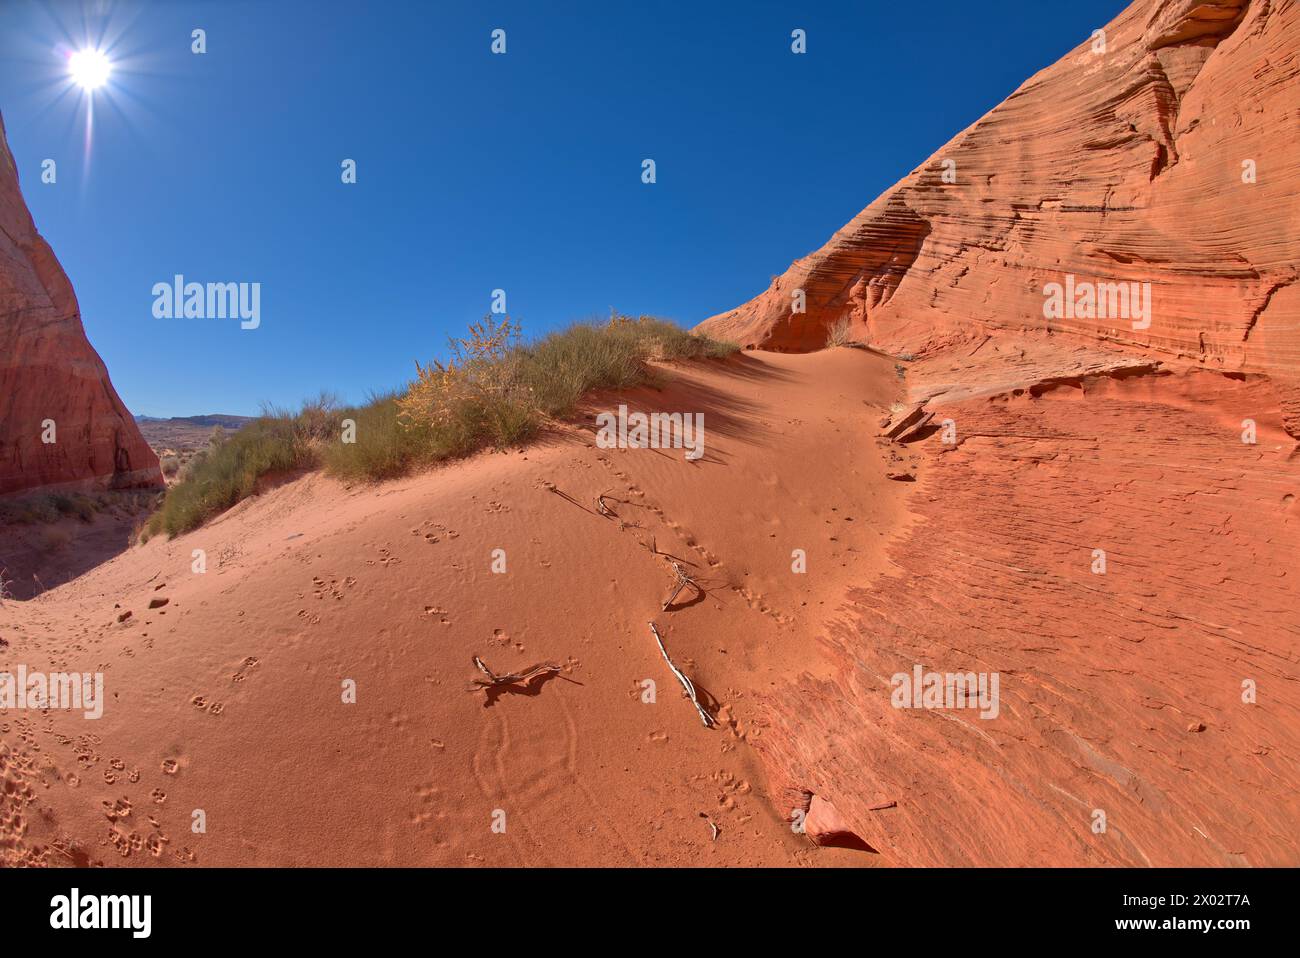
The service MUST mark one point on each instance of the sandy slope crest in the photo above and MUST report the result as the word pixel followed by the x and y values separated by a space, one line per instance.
pixel 229 698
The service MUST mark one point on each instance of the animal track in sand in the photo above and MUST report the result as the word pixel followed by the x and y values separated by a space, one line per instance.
pixel 332 587
pixel 759 604
pixel 115 810
pixel 433 532
pixel 433 610
pixel 155 842
pixel 245 667
pixel 430 806
pixel 502 638
pixel 125 843
pixel 16 794
pixel 201 703
pixel 682 534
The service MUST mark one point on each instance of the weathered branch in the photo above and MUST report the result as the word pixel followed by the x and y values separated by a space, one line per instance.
pixel 517 678
pixel 689 688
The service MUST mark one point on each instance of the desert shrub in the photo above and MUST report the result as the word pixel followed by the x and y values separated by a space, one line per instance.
pixel 564 366
pixel 46 508
pixel 491 391
pixel 557 371
pixel 228 471
pixel 661 340
pixel 63 505
pixel 495 391
pixel 317 420
pixel 508 387
pixel 481 369
pixel 839 333
pixel 171 465
pixel 29 510
pixel 384 447
pixel 84 508
pixel 189 469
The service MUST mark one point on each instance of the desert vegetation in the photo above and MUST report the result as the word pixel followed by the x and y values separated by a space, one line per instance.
pixel 493 391
pixel 839 333
pixel 53 507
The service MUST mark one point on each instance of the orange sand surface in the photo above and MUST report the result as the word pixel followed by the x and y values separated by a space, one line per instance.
pixel 230 697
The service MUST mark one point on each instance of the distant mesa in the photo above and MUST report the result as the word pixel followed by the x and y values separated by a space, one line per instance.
pixel 210 420
pixel 177 438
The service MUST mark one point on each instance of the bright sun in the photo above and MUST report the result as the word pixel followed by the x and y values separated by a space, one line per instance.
pixel 89 69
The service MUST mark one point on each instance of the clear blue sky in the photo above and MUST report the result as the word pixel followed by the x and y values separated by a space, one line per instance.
pixel 475 171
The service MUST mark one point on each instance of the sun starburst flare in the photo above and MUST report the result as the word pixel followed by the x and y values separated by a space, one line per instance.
pixel 89 69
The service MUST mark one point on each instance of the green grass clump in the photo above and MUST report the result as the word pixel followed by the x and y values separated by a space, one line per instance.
pixel 493 392
pixel 384 447
pixel 564 366
pixel 229 469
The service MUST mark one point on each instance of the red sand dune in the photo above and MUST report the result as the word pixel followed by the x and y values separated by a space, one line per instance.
pixel 228 698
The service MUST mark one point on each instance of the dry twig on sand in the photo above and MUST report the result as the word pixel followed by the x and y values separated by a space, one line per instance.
pixel 517 678
pixel 705 717
pixel 603 508
pixel 565 496
pixel 683 580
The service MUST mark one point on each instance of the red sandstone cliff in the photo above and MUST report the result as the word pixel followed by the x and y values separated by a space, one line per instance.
pixel 1134 725
pixel 50 372
pixel 1122 165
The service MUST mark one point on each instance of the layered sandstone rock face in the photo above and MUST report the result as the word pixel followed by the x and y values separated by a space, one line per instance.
pixel 52 382
pixel 1169 157
pixel 1107 505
